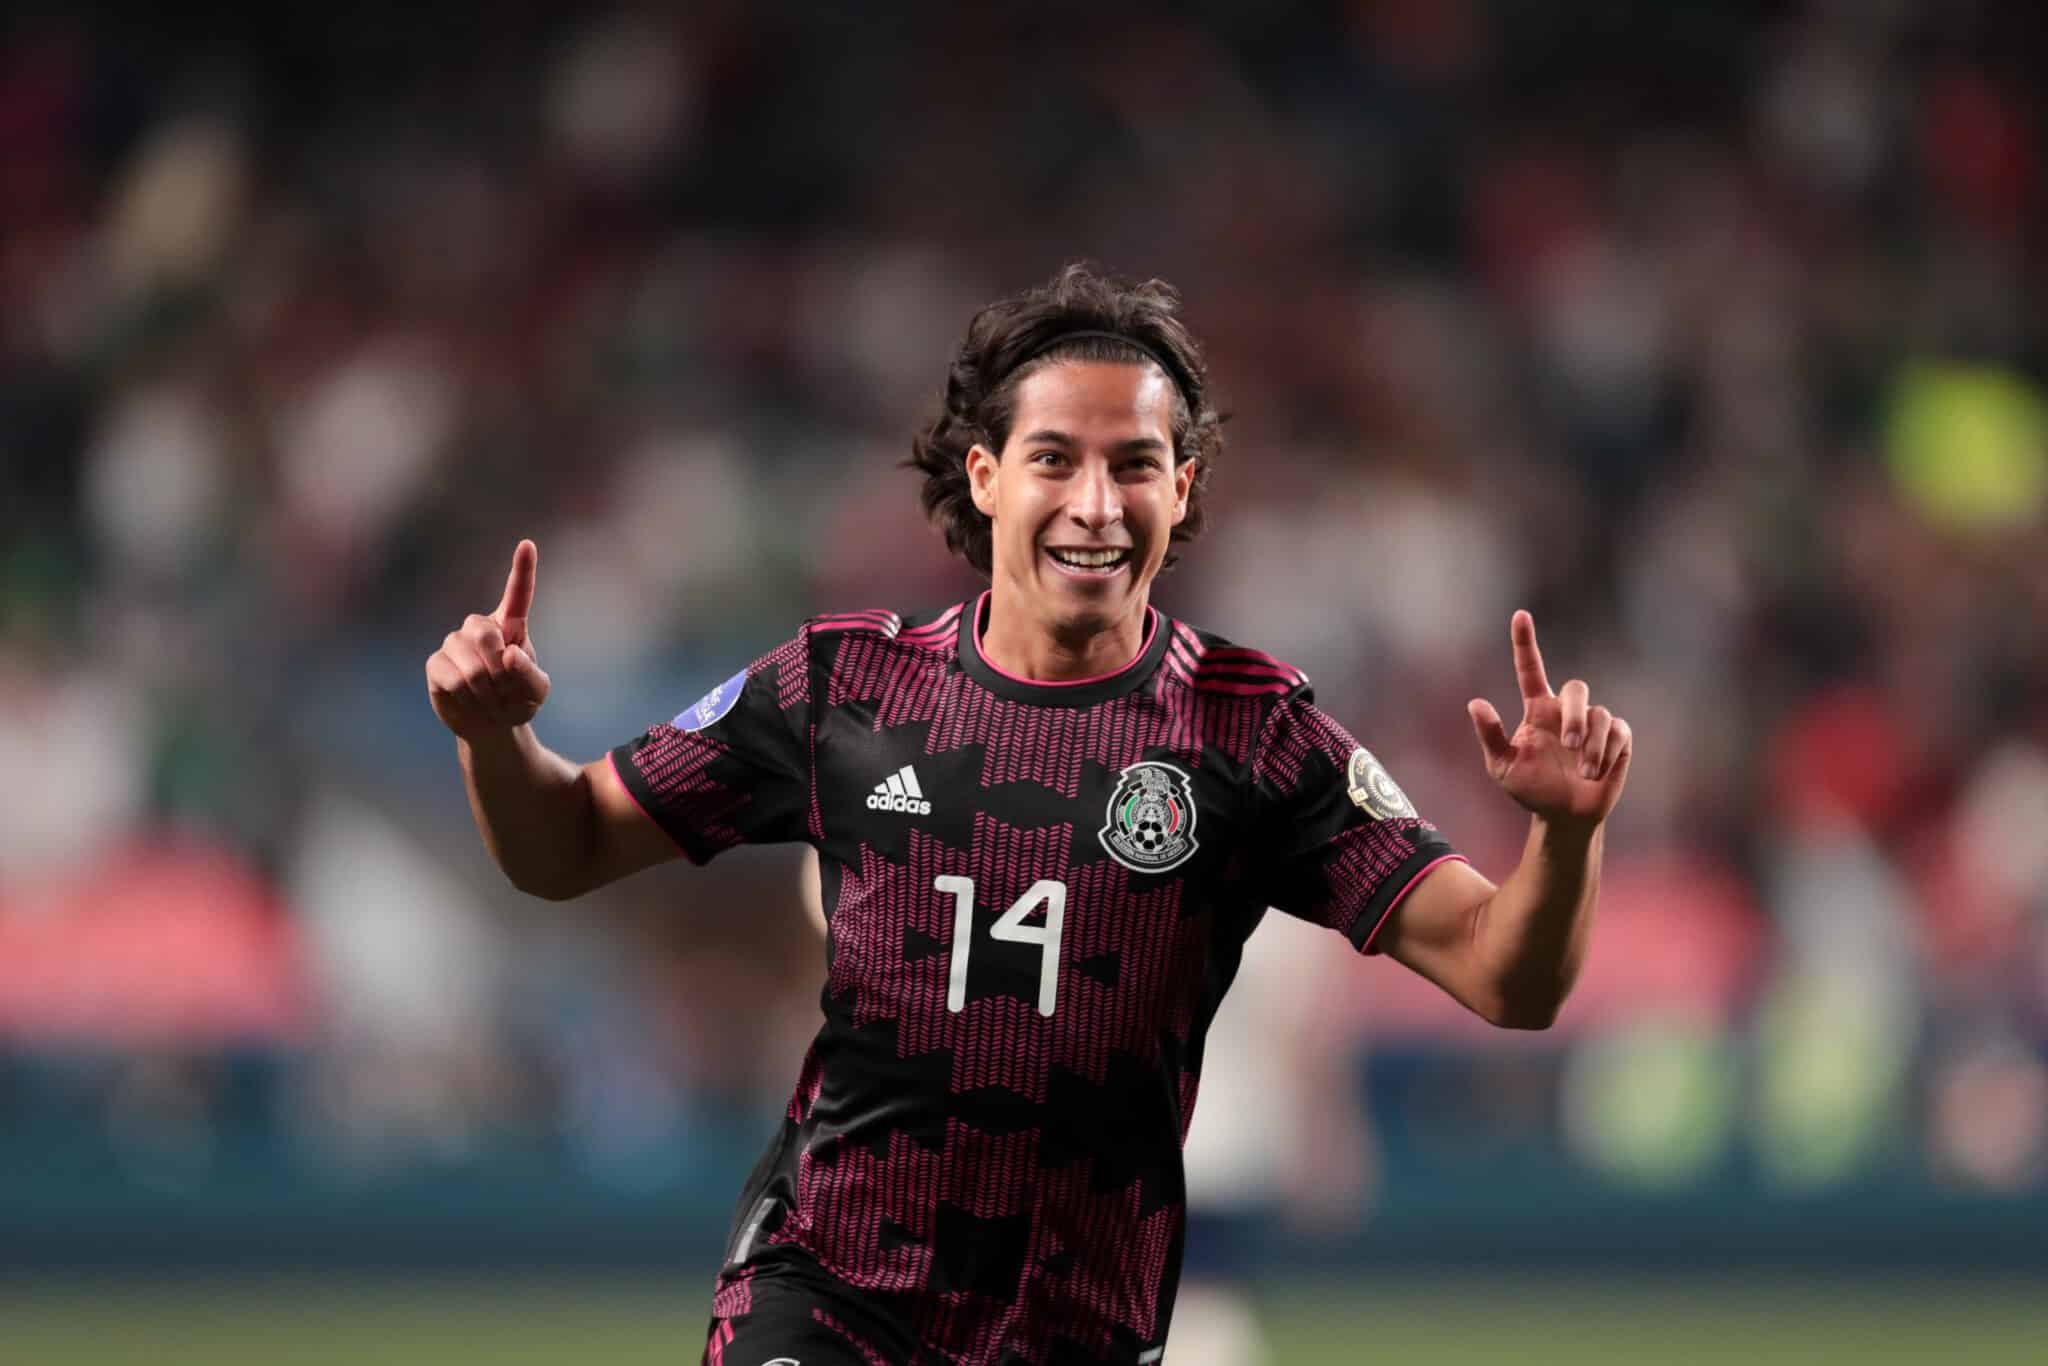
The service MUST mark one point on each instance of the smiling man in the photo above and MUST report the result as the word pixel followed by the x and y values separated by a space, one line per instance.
pixel 1047 820
pixel 1082 512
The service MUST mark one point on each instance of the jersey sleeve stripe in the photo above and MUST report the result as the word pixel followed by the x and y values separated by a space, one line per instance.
pixel 1365 945
pixel 1245 650
pixel 1276 688
pixel 1246 666
pixel 1233 668
pixel 885 622
pixel 934 630
pixel 1237 656
pixel 1204 679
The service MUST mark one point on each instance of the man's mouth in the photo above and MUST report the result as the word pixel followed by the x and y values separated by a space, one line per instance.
pixel 1091 562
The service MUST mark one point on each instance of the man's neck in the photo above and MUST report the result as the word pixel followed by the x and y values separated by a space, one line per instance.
pixel 1043 652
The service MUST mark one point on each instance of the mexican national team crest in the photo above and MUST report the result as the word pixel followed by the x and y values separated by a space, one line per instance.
pixel 1151 820
pixel 712 706
pixel 1373 788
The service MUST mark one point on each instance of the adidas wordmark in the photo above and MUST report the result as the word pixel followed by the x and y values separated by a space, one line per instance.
pixel 900 792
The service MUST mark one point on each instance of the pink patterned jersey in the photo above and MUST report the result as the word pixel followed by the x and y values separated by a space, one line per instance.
pixel 1036 896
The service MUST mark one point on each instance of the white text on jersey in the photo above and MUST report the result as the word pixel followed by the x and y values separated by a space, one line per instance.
pixel 900 792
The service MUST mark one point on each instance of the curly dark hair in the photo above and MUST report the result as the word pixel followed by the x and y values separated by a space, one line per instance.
pixel 1017 336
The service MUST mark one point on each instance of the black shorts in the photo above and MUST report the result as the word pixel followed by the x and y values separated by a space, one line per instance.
pixel 801 1317
pixel 790 1322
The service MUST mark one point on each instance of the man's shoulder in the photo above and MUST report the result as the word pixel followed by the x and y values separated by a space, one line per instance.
pixel 1215 666
pixel 933 633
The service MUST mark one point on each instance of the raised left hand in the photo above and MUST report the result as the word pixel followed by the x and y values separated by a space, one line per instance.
pixel 1568 759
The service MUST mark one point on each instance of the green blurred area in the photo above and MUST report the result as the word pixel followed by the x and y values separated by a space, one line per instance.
pixel 1452 1317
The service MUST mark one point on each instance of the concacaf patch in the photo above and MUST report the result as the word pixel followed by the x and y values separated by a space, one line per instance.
pixel 1150 825
pixel 712 706
pixel 1373 788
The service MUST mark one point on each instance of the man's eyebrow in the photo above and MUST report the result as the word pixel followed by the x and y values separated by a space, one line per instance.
pixel 1048 437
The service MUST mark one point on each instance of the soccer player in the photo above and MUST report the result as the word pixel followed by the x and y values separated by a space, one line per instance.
pixel 1047 819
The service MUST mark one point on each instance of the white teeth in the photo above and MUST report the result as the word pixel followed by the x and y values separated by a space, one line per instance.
pixel 1088 559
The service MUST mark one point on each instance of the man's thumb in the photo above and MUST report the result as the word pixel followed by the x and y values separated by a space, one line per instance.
pixel 1493 736
pixel 519 661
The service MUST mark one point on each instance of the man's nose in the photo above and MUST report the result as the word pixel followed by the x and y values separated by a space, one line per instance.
pixel 1097 502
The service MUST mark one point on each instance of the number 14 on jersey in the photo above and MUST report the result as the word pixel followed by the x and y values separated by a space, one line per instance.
pixel 1011 928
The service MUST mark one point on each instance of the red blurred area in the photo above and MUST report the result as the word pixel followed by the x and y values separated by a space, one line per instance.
pixel 1840 756
pixel 1981 151
pixel 157 943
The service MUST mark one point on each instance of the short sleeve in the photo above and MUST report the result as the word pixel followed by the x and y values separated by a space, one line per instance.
pixel 735 766
pixel 1344 844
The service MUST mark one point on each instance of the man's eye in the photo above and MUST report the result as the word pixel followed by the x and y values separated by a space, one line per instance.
pixel 1048 457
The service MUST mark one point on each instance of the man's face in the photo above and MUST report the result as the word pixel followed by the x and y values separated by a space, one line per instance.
pixel 1088 469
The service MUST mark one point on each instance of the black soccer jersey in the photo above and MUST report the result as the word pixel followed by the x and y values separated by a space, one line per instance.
pixel 1036 895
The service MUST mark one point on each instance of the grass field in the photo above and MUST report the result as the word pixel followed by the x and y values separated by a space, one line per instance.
pixel 1457 1318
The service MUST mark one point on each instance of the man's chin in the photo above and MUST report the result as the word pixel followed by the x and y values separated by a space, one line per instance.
pixel 1085 609
pixel 1087 595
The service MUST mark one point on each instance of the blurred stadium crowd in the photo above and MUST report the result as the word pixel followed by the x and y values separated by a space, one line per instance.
pixel 1710 332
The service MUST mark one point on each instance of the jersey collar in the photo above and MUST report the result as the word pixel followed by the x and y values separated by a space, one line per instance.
pixel 1084 692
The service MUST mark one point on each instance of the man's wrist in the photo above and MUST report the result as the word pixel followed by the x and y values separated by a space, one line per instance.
pixel 496 746
pixel 1565 834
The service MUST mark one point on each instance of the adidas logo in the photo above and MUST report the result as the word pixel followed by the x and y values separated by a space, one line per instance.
pixel 900 792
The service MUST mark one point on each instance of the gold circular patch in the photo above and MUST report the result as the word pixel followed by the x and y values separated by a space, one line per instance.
pixel 1373 788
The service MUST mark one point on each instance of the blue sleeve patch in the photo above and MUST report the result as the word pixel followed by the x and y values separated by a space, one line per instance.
pixel 712 706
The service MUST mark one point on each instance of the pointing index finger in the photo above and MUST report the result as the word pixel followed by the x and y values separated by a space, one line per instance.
pixel 1528 659
pixel 517 603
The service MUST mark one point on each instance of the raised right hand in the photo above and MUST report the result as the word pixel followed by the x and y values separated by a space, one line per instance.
pixel 1566 763
pixel 485 677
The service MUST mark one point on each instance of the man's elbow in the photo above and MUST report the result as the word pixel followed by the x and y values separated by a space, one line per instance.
pixel 1540 1016
pixel 554 887
pixel 1524 1010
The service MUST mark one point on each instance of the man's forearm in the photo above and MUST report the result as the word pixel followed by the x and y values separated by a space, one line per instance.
pixel 1532 933
pixel 533 808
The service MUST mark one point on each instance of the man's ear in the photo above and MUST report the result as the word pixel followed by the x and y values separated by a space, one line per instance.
pixel 982 468
pixel 1183 484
